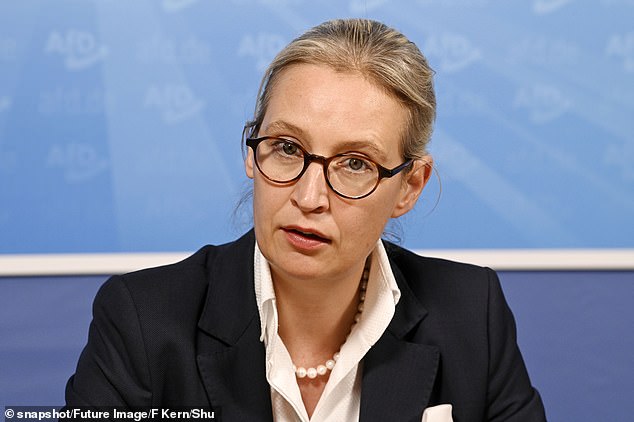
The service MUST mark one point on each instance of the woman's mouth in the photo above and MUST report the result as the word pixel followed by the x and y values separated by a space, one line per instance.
pixel 305 239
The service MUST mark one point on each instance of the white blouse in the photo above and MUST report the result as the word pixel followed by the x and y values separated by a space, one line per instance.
pixel 341 398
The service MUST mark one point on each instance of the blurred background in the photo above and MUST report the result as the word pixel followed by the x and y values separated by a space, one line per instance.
pixel 120 122
pixel 120 129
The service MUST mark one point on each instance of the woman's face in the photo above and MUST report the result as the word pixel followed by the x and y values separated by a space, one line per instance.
pixel 304 229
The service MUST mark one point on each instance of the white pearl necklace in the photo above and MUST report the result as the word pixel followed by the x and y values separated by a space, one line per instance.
pixel 323 369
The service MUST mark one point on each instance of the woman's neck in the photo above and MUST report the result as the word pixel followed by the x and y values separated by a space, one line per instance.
pixel 315 316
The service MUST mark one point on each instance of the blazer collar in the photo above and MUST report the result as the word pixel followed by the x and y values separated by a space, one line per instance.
pixel 231 358
pixel 230 305
pixel 399 375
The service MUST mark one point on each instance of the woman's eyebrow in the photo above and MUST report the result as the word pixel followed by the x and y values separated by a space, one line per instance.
pixel 350 145
pixel 361 146
pixel 281 125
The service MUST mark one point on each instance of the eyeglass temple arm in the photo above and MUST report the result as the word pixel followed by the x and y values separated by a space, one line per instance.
pixel 383 172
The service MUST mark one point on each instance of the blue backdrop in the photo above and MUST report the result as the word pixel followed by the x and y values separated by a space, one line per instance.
pixel 120 121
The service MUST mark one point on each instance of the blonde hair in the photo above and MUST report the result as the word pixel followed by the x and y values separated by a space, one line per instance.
pixel 381 54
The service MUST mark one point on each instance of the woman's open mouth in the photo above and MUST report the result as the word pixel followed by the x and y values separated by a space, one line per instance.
pixel 305 239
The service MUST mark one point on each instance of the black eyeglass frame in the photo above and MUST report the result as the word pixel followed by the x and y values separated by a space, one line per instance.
pixel 384 173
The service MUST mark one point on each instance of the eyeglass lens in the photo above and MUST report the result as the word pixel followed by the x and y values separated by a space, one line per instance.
pixel 349 175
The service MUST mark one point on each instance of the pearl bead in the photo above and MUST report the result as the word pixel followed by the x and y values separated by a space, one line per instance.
pixel 301 372
pixel 311 373
pixel 321 370
pixel 330 364
pixel 335 357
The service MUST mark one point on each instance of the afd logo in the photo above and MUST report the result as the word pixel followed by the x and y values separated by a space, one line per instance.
pixel 543 102
pixel 622 47
pixel 80 162
pixel 544 51
pixel 173 6
pixel 261 47
pixel 79 49
pixel 175 103
pixel 544 7
pixel 165 50
pixel 5 103
pixel 75 101
pixel 453 52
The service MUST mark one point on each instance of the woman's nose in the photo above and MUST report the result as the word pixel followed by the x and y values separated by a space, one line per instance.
pixel 310 192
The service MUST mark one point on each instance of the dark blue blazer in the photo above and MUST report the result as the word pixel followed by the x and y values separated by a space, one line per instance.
pixel 187 334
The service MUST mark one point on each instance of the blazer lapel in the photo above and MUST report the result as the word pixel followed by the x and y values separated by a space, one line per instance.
pixel 398 375
pixel 231 358
pixel 235 381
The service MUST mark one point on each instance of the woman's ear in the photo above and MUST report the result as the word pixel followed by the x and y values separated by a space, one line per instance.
pixel 415 181
pixel 248 163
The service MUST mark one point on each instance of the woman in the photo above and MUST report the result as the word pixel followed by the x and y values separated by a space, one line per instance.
pixel 311 316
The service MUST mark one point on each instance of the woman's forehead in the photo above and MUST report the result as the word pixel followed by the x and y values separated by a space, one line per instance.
pixel 315 102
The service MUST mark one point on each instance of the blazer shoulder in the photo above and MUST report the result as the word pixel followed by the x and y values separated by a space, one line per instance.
pixel 182 283
pixel 443 285
pixel 435 269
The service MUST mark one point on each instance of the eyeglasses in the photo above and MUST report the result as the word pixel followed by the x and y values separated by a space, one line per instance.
pixel 350 175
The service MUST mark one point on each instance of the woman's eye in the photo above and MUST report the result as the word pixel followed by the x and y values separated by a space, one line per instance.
pixel 357 164
pixel 289 148
pixel 285 148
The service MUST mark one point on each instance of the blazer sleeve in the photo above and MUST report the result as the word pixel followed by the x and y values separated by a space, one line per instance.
pixel 510 395
pixel 112 369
